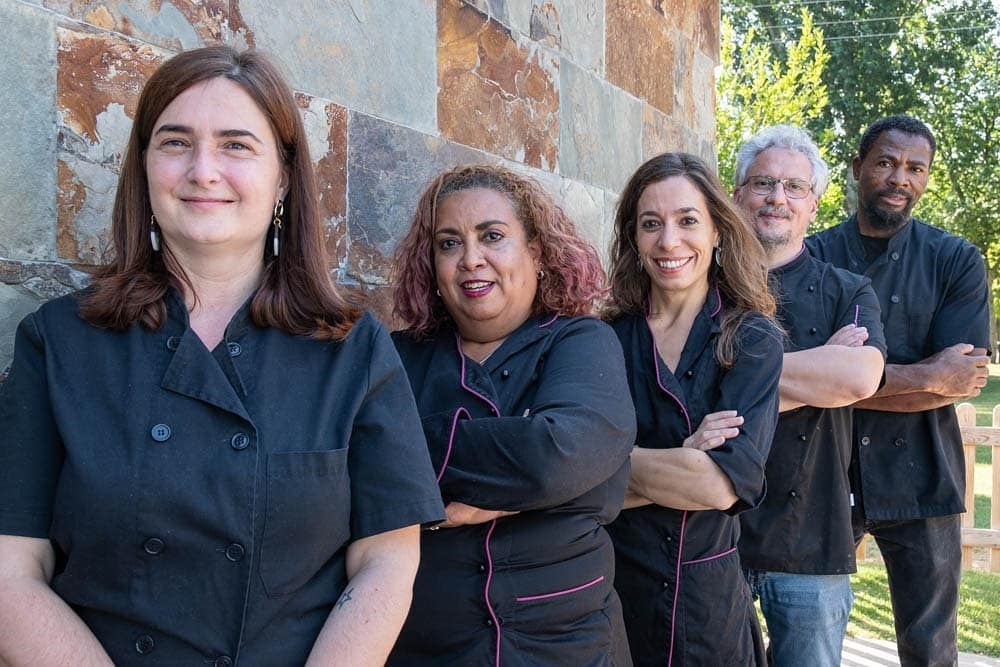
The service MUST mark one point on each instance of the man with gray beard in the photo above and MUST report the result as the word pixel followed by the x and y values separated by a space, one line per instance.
pixel 908 471
pixel 797 547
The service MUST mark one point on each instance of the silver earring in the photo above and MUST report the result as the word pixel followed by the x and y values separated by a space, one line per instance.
pixel 438 292
pixel 154 236
pixel 540 274
pixel 279 210
pixel 718 255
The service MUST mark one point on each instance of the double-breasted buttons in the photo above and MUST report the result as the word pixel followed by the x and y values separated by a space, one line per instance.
pixel 240 441
pixel 160 433
pixel 803 437
pixel 235 349
pixel 505 373
pixel 689 373
pixel 811 288
pixel 895 256
pixel 894 298
pixel 899 442
pixel 144 644
pixel 153 546
pixel 489 622
pixel 813 330
pixel 865 440
pixel 793 494
pixel 223 661
pixel 173 343
pixel 482 568
pixel 235 552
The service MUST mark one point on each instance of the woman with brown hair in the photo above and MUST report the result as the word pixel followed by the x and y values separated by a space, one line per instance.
pixel 209 455
pixel 690 304
pixel 528 420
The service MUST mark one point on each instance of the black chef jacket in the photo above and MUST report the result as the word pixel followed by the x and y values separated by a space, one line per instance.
pixel 201 503
pixel 543 427
pixel 678 573
pixel 804 523
pixel 933 292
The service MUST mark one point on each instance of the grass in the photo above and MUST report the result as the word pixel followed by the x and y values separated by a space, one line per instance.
pixel 978 610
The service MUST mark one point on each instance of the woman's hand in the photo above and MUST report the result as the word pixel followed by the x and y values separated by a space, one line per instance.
pixel 715 429
pixel 850 335
pixel 460 514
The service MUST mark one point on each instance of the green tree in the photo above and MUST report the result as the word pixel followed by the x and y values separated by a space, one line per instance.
pixel 756 89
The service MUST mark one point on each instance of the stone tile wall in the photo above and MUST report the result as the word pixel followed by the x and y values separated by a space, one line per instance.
pixel 574 92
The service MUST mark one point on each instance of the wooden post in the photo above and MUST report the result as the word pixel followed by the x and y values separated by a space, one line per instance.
pixel 966 418
pixel 995 491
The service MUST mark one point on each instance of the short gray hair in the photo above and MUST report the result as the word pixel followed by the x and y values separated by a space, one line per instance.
pixel 783 136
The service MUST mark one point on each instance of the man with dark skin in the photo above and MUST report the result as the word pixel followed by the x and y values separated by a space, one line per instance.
pixel 907 472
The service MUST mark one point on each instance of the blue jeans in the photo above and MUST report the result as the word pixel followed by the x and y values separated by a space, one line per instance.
pixel 806 615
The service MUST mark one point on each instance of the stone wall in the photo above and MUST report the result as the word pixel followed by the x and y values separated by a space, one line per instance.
pixel 576 93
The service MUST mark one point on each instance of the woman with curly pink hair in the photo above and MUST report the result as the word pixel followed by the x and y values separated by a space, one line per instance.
pixel 529 423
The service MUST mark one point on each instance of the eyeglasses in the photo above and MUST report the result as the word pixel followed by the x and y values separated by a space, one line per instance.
pixel 795 188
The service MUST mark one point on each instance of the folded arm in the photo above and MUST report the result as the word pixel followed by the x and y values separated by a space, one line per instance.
pixel 955 373
pixel 829 376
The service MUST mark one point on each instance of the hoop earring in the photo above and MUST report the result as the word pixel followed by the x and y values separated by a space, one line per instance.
pixel 154 236
pixel 279 210
pixel 540 274
pixel 718 255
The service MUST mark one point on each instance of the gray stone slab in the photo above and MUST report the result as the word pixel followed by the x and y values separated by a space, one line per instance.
pixel 376 57
pixel 388 168
pixel 574 27
pixel 28 161
pixel 600 132
pixel 515 14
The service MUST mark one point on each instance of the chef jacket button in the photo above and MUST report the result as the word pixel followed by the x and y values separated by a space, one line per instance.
pixel 235 350
pixel 160 432
pixel 173 343
pixel 240 441
pixel 235 552
pixel 505 373
pixel 143 644
pixel 865 440
pixel 223 661
pixel 689 373
pixel 482 568
pixel 894 298
pixel 489 622
pixel 668 539
pixel 895 255
pixel 899 442
pixel 666 585
pixel 153 546
pixel 803 437
pixel 811 288
pixel 813 330
pixel 793 494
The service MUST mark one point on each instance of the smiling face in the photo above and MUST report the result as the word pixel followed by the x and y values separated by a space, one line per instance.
pixel 486 267
pixel 214 170
pixel 779 221
pixel 675 237
pixel 891 179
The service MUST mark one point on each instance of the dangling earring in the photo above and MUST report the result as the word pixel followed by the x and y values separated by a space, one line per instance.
pixel 154 236
pixel 718 255
pixel 279 210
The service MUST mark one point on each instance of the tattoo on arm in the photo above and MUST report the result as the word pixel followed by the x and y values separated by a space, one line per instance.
pixel 345 598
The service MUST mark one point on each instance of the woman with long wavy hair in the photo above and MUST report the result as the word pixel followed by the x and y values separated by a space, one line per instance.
pixel 690 304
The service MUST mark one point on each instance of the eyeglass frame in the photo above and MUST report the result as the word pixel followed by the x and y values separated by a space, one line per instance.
pixel 774 184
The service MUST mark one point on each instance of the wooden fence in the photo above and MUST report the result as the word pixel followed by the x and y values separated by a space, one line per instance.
pixel 972 538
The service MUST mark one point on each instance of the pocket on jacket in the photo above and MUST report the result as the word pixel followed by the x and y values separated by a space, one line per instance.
pixel 307 517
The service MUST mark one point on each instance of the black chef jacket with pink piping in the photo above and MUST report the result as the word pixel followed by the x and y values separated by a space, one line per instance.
pixel 678 572
pixel 543 427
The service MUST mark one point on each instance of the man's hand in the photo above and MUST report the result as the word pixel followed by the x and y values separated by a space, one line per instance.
pixel 850 335
pixel 960 371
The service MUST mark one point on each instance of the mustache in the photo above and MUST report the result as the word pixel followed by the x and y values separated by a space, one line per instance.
pixel 899 192
pixel 777 211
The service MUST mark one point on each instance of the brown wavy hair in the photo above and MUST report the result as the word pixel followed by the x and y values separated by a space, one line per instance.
pixel 296 293
pixel 742 276
pixel 573 280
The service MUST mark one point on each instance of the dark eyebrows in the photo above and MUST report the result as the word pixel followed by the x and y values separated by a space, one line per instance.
pixel 224 134
pixel 485 224
pixel 682 209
